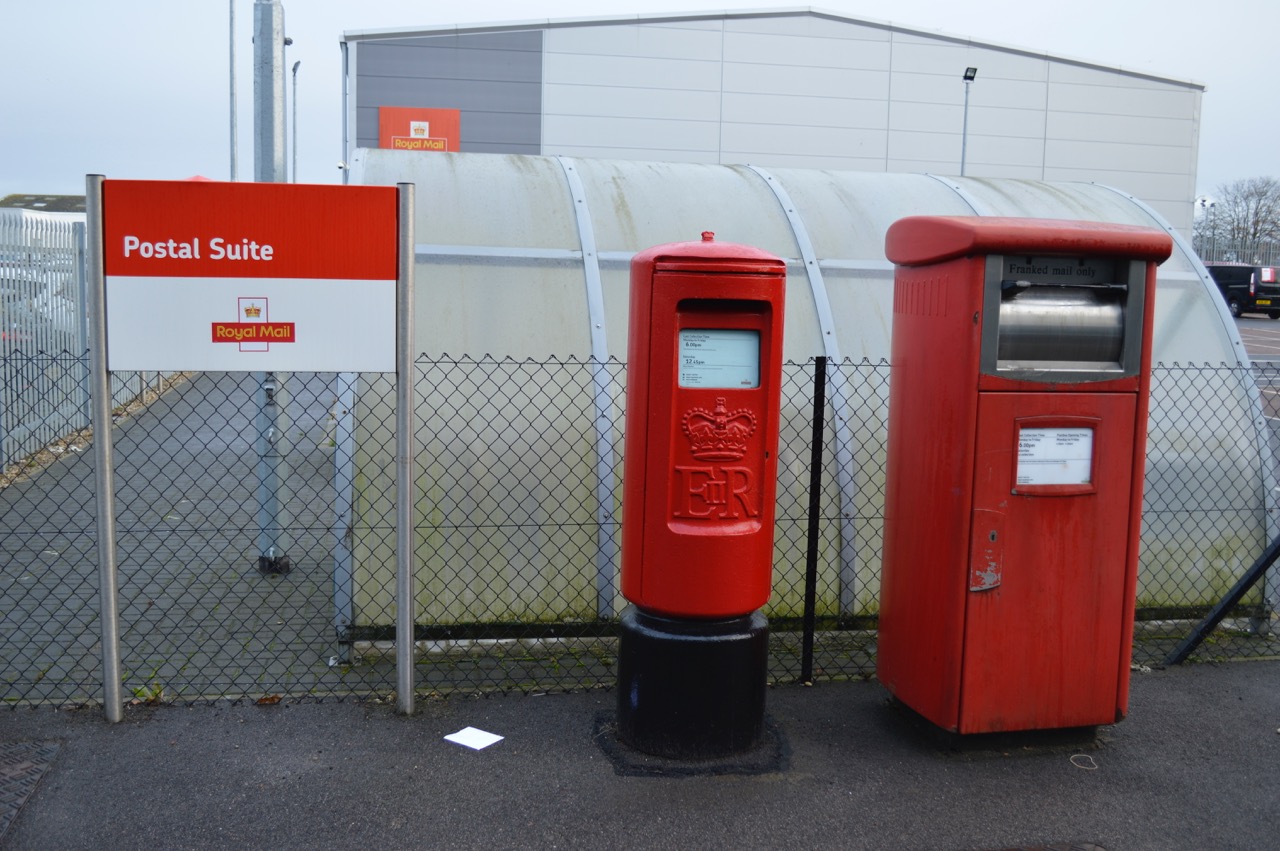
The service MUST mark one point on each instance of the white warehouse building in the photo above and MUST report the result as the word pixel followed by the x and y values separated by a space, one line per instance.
pixel 796 87
pixel 800 132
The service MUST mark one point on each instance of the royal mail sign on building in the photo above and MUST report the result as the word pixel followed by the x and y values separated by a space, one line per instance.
pixel 249 276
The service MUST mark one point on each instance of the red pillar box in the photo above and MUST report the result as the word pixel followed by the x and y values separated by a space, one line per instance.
pixel 1017 437
pixel 704 369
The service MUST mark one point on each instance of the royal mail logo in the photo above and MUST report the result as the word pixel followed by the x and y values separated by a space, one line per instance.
pixel 420 129
pixel 719 434
pixel 255 333
pixel 419 143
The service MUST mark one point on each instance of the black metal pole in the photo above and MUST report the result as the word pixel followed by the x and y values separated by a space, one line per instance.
pixel 1226 604
pixel 815 499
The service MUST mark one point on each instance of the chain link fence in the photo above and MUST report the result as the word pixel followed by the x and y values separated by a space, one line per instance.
pixel 518 505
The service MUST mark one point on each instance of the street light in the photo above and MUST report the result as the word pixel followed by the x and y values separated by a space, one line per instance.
pixel 969 75
pixel 1208 206
pixel 295 120
pixel 232 65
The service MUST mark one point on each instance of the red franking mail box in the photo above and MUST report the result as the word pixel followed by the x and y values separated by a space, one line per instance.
pixel 1017 435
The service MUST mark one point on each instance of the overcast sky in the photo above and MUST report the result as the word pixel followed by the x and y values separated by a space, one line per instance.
pixel 139 88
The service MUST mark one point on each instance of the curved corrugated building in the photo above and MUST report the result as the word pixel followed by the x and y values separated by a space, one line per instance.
pixel 527 257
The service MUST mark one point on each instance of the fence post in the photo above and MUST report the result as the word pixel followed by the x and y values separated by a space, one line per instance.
pixel 815 501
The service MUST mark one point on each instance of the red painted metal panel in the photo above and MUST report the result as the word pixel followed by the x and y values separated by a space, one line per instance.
pixel 200 229
pixel 926 240
pixel 701 461
pixel 1042 645
pixel 928 485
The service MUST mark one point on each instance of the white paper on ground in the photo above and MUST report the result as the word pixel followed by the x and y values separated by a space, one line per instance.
pixel 472 738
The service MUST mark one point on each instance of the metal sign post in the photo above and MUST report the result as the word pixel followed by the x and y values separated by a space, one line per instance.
pixel 100 402
pixel 405 610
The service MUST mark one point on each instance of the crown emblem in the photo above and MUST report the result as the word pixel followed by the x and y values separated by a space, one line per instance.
pixel 718 435
pixel 252 311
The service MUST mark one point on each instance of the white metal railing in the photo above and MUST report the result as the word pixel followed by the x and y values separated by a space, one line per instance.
pixel 44 343
pixel 43 330
pixel 1232 251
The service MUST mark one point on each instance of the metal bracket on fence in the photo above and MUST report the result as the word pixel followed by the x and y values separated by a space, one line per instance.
pixel 1226 604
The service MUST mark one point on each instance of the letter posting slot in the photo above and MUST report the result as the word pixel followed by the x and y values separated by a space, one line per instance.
pixel 703 387
pixel 1017 438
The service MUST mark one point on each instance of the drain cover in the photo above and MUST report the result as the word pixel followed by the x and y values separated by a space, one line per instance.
pixel 22 764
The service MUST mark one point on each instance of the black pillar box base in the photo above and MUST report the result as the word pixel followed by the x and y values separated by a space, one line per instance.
pixel 691 689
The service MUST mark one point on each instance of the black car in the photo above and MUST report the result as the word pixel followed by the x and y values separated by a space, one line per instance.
pixel 1246 288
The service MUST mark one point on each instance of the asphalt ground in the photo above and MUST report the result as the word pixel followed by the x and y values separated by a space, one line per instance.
pixel 1261 338
pixel 1196 765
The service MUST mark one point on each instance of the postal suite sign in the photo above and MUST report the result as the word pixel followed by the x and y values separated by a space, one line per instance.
pixel 249 276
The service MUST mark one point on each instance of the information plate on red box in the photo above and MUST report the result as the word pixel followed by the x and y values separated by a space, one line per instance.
pixel 202 275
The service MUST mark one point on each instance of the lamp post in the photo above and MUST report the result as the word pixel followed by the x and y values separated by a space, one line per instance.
pixel 232 65
pixel 969 75
pixel 294 171
pixel 1208 206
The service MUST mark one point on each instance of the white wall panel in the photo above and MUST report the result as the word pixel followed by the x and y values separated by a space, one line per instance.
pixel 614 101
pixel 1001 65
pixel 926 88
pixel 808 25
pixel 945 59
pixel 771 49
pixel 1170 103
pixel 868 113
pixel 793 160
pixel 1112 156
pixel 631 71
pixel 657 42
pixel 791 80
pixel 602 152
pixel 1010 94
pixel 983 121
pixel 1003 151
pixel 906 165
pixel 926 147
pixel 1014 123
pixel 1134 129
pixel 799 139
pixel 606 132
pixel 1152 187
pixel 1073 72
pixel 1002 171
pixel 926 117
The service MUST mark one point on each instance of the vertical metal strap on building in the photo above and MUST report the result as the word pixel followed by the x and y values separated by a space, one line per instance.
pixel 405 451
pixel 606 479
pixel 1271 584
pixel 959 190
pixel 837 397
pixel 104 472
